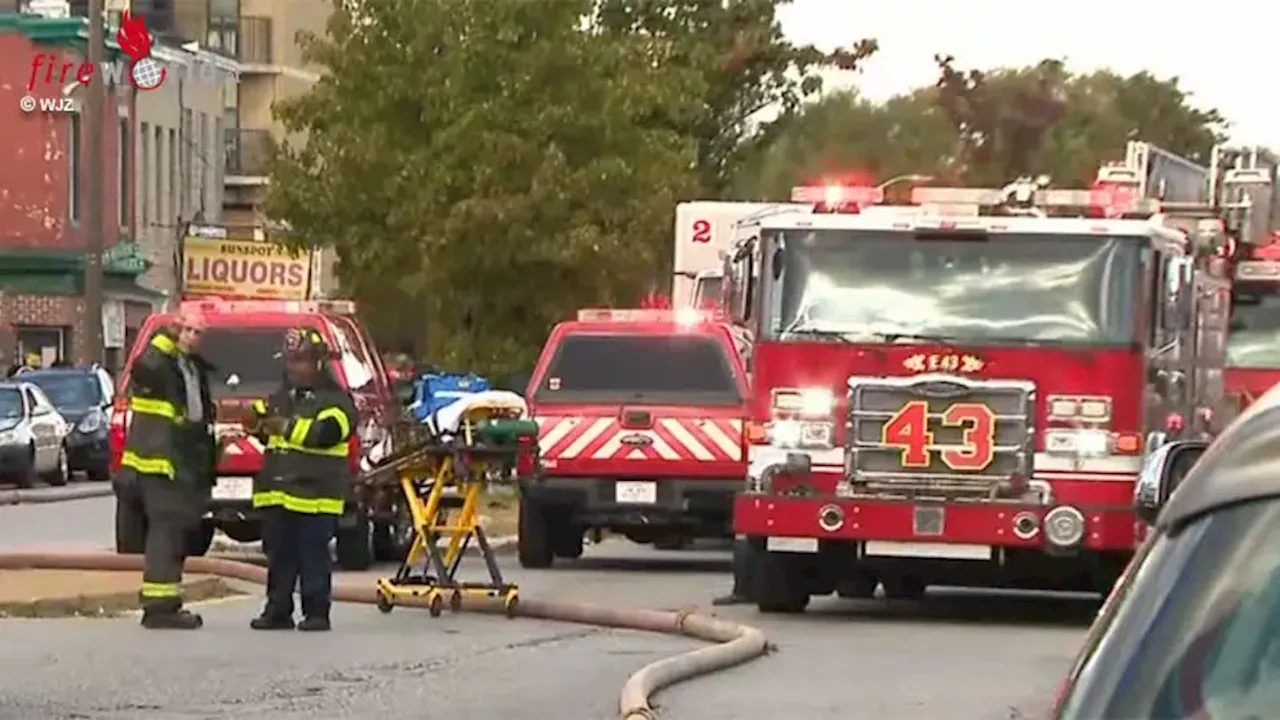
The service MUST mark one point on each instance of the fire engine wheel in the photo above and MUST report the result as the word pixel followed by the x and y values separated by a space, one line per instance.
pixel 535 534
pixel 780 583
pixel 903 587
pixel 354 543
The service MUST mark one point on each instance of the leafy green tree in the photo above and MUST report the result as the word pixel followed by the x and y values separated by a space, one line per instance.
pixel 746 66
pixel 483 167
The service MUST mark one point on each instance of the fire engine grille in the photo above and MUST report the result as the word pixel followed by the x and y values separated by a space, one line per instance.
pixel 976 446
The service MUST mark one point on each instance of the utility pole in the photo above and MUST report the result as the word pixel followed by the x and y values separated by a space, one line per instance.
pixel 95 231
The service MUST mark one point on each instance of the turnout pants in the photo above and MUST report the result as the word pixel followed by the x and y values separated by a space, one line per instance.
pixel 171 511
pixel 298 557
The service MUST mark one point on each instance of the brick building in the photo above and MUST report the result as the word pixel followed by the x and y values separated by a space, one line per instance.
pixel 162 166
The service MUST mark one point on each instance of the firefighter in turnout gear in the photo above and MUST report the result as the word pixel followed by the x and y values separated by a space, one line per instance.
pixel 304 482
pixel 166 470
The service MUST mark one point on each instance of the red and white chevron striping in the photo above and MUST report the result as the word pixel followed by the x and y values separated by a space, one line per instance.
pixel 583 438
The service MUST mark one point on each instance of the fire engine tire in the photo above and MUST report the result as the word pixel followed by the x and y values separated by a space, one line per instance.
pixel 671 542
pixel 131 527
pixel 535 533
pixel 859 585
pixel 354 545
pixel 570 543
pixel 243 532
pixel 903 587
pixel 780 582
pixel 199 539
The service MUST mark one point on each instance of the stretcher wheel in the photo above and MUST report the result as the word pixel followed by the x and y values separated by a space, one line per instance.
pixel 511 605
pixel 455 601
pixel 435 606
pixel 384 604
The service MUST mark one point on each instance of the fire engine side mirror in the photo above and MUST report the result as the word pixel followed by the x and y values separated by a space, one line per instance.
pixel 1162 472
pixel 775 264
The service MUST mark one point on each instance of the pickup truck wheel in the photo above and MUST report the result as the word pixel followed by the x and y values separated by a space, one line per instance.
pixel 199 539
pixel 570 543
pixel 355 543
pixel 131 527
pixel 780 582
pixel 533 545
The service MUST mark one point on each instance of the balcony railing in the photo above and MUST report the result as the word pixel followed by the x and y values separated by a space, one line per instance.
pixel 255 40
pixel 247 151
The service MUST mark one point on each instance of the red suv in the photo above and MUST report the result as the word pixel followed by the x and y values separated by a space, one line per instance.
pixel 242 343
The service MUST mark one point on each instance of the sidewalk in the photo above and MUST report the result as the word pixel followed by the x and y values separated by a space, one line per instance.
pixel 64 593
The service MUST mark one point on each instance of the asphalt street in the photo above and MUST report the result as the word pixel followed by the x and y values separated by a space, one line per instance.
pixel 958 654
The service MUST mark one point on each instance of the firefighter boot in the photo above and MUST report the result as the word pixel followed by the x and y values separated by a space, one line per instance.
pixel 169 615
pixel 271 621
pixel 315 624
pixel 740 595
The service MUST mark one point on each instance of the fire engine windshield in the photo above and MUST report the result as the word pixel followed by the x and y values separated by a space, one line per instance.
pixel 707 293
pixel 684 369
pixel 876 286
pixel 1254 340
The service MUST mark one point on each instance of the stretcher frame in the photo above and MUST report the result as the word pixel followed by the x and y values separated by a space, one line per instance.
pixel 425 475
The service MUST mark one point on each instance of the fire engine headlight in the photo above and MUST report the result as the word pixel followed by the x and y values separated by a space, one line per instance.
pixel 817 403
pixel 800 434
pixel 1064 526
pixel 1081 443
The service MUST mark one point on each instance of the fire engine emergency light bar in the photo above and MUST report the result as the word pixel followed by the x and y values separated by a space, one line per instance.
pixel 1116 198
pixel 1258 270
pixel 836 195
pixel 214 305
pixel 683 315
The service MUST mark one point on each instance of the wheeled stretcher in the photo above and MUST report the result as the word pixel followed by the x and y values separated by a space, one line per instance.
pixel 485 438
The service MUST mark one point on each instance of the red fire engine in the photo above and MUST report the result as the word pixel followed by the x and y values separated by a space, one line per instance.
pixel 1244 184
pixel 960 391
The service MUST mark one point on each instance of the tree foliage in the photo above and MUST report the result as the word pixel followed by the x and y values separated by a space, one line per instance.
pixel 746 67
pixel 989 127
pixel 482 168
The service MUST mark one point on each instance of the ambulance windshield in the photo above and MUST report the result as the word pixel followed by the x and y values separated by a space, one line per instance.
pixel 244 359
pixel 1254 340
pixel 683 369
pixel 875 286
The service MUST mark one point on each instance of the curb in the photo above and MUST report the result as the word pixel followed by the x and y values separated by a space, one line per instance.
pixel 48 495
pixel 109 604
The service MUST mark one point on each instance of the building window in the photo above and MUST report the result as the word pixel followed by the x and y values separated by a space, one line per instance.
pixel 144 175
pixel 157 178
pixel 173 174
pixel 122 167
pixel 50 343
pixel 73 167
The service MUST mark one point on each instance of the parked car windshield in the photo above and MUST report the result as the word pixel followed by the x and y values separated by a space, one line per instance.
pixel 10 404
pixel 1196 632
pixel 67 390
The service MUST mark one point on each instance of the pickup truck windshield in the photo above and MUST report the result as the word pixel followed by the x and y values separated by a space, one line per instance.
pixel 876 286
pixel 683 369
pixel 1254 340
pixel 1196 633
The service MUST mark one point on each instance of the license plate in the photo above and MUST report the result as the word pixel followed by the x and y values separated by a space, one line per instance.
pixel 790 544
pixel 233 488
pixel 928 520
pixel 931 550
pixel 636 492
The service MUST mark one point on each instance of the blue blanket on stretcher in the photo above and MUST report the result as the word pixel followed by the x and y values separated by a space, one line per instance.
pixel 435 390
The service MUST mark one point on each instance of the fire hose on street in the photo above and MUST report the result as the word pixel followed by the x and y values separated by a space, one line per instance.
pixel 734 643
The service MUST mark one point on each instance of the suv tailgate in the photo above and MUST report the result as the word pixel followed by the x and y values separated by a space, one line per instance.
pixel 620 404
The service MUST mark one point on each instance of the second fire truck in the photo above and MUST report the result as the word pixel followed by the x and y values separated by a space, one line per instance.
pixel 965 398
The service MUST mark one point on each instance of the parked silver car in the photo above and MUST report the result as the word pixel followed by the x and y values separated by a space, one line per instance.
pixel 32 437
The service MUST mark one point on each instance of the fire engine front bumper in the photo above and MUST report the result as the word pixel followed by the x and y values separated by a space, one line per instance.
pixel 702 505
pixel 925 529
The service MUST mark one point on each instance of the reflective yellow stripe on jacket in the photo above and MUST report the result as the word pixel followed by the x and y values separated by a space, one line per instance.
pixel 310 506
pixel 159 408
pixel 148 465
